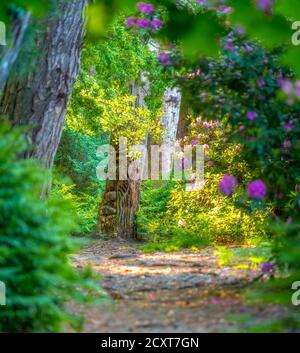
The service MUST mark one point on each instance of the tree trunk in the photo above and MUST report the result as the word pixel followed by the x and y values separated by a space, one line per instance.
pixel 39 99
pixel 10 53
pixel 184 112
pixel 117 211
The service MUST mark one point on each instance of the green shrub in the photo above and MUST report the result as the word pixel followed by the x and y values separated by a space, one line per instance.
pixel 75 177
pixel 170 213
pixel 34 246
pixel 84 205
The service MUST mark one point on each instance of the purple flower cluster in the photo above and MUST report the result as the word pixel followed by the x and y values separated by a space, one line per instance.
pixel 227 184
pixel 291 89
pixel 251 115
pixel 156 23
pixel 142 23
pixel 288 126
pixel 257 190
pixel 267 267
pixel 130 22
pixel 145 23
pixel 265 5
pixel 145 8
pixel 164 58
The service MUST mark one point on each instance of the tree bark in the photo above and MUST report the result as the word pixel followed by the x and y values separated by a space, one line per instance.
pixel 117 211
pixel 39 99
pixel 184 112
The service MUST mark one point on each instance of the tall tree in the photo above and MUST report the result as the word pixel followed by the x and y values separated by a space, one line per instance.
pixel 117 211
pixel 39 99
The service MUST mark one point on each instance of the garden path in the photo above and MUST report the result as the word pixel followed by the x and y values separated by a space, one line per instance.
pixel 183 291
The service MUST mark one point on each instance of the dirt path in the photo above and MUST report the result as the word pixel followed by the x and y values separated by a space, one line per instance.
pixel 164 292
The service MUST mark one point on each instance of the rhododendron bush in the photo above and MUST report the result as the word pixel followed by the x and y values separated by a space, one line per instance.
pixel 220 212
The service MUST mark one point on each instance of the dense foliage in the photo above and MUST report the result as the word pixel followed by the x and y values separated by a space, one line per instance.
pixel 35 246
pixel 102 109
pixel 204 214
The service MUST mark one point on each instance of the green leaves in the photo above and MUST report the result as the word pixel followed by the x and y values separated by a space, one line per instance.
pixel 203 36
pixel 288 8
pixel 198 33
pixel 270 30
pixel 35 245
pixel 100 14
pixel 291 58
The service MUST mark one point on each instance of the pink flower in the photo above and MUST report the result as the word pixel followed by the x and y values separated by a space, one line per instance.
pixel 251 115
pixel 227 184
pixel 142 23
pixel 230 47
pixel 203 94
pixel 130 22
pixel 199 119
pixel 180 155
pixel 257 189
pixel 210 164
pixel 145 7
pixel 289 220
pixel 185 162
pixel 207 124
pixel 193 178
pixel 297 89
pixel 242 128
pixel 177 143
pixel 224 9
pixel 181 223
pixel 288 126
pixel 287 87
pixel 194 142
pixel 156 23
pixel 205 147
pixel 287 144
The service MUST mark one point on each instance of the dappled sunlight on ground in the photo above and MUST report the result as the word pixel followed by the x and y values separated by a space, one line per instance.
pixel 184 291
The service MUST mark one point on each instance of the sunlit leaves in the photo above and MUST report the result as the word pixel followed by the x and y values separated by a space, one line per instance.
pixel 100 14
pixel 289 8
pixel 270 30
pixel 96 14
pixel 122 118
pixel 203 38
pixel 291 58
